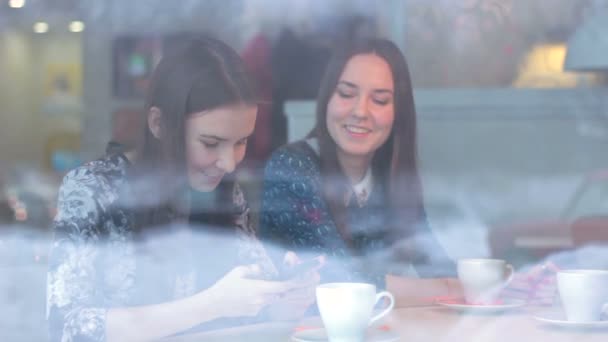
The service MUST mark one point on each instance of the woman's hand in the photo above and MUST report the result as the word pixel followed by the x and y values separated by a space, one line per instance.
pixel 537 286
pixel 293 304
pixel 240 294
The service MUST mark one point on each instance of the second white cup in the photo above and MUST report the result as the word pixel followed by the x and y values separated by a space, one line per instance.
pixel 584 294
pixel 483 279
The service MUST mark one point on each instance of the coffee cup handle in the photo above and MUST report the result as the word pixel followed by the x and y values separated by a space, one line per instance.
pixel 511 272
pixel 388 309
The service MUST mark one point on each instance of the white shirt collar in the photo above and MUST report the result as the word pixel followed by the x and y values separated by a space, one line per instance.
pixel 363 189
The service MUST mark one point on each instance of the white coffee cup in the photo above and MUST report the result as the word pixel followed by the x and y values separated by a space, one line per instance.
pixel 584 294
pixel 483 279
pixel 346 309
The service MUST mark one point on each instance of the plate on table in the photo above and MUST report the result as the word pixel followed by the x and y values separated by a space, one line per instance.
pixel 319 335
pixel 558 318
pixel 500 306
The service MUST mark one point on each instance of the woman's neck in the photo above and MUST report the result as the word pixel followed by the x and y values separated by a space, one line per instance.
pixel 354 167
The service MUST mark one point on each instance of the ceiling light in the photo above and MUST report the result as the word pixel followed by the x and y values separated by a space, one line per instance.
pixel 16 3
pixel 76 26
pixel 41 27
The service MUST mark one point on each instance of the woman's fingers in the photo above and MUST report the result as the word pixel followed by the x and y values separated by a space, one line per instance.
pixel 291 259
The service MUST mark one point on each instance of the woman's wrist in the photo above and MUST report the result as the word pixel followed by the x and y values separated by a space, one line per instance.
pixel 448 291
pixel 207 305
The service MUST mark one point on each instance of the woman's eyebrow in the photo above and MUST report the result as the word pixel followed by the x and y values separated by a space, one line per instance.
pixel 207 136
pixel 348 84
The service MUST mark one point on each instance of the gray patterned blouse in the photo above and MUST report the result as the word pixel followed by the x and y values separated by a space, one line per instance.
pixel 96 264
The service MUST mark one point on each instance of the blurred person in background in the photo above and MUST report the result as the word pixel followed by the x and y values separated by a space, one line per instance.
pixel 157 240
pixel 7 214
pixel 257 58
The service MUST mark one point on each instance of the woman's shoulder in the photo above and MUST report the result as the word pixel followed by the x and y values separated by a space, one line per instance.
pixel 300 156
pixel 87 196
pixel 109 166
pixel 102 176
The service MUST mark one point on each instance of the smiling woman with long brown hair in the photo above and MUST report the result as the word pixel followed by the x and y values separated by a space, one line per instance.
pixel 352 189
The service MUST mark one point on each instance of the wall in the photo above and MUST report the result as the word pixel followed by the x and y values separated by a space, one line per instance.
pixel 25 58
pixel 482 43
pixel 110 19
pixel 231 20
pixel 16 111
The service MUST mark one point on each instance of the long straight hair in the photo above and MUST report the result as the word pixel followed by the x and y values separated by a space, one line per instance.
pixel 202 73
pixel 394 163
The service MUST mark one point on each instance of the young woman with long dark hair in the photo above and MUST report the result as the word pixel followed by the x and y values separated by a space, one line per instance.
pixel 158 240
pixel 352 190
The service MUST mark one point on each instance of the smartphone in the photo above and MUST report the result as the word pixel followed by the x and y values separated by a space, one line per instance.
pixel 289 272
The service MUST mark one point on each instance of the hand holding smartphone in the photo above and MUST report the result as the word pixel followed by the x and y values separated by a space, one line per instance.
pixel 290 272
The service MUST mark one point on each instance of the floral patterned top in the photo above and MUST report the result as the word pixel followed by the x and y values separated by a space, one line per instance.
pixel 296 216
pixel 96 263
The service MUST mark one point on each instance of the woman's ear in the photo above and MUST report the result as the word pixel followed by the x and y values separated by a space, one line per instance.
pixel 154 122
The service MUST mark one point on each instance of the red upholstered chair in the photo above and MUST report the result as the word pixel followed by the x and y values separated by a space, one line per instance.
pixel 590 229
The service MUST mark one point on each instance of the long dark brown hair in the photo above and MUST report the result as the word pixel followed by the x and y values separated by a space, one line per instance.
pixel 202 73
pixel 394 163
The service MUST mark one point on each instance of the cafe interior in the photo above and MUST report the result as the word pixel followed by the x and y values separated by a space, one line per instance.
pixel 511 122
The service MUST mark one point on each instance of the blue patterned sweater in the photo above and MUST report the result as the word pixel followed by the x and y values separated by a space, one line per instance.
pixel 295 216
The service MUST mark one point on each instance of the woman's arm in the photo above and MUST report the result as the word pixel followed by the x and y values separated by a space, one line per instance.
pixel 144 323
pixel 409 291
pixel 77 295
pixel 420 248
pixel 75 309
pixel 436 270
pixel 237 294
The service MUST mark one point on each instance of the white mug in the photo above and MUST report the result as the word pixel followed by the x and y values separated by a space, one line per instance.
pixel 483 279
pixel 584 294
pixel 346 309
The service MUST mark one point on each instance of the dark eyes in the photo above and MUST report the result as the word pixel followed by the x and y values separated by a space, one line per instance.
pixel 208 144
pixel 381 102
pixel 215 144
pixel 344 94
pixel 349 95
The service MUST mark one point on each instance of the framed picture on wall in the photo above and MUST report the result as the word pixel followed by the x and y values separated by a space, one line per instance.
pixel 134 59
pixel 62 89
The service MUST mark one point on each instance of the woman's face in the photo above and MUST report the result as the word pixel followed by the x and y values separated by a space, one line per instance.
pixel 361 111
pixel 215 143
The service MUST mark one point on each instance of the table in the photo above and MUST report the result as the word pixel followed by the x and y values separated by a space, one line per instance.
pixel 432 323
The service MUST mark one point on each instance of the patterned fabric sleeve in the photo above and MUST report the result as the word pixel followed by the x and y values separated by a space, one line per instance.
pixel 250 249
pixel 293 214
pixel 295 217
pixel 74 301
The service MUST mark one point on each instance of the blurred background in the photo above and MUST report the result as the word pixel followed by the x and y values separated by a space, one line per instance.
pixel 511 95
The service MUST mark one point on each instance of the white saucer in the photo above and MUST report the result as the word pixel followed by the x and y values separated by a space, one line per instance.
pixel 481 308
pixel 319 335
pixel 558 318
